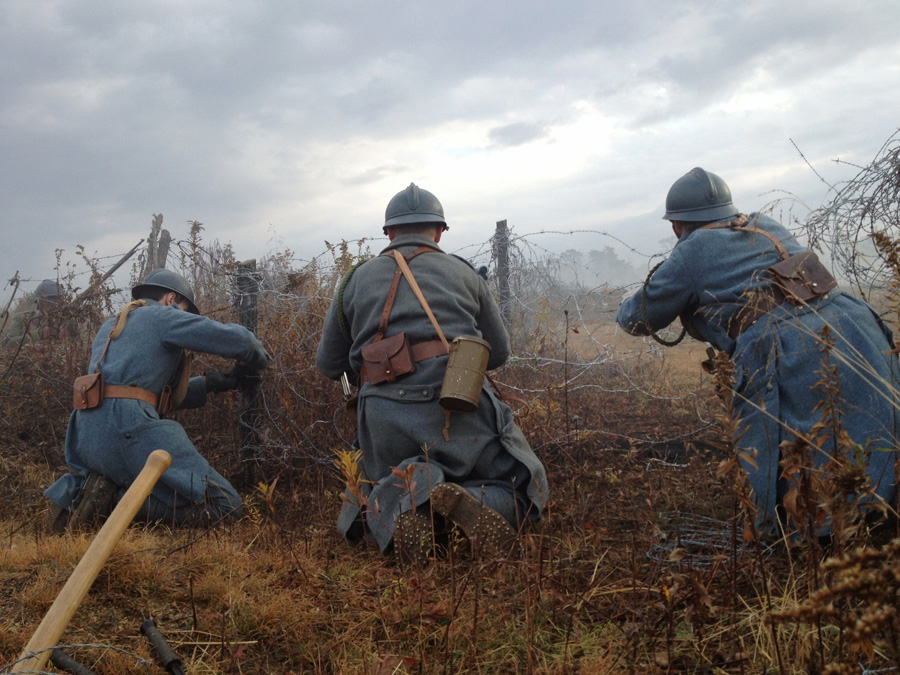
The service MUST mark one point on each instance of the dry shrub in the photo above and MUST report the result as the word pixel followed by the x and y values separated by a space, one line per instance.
pixel 627 432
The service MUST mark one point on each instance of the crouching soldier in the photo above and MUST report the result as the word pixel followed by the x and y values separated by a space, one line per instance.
pixel 426 465
pixel 139 371
pixel 748 287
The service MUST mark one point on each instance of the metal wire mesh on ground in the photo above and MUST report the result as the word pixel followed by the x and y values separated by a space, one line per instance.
pixel 138 660
pixel 694 541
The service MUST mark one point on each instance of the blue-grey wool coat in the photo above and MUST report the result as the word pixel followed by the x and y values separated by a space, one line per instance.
pixel 116 438
pixel 398 421
pixel 778 360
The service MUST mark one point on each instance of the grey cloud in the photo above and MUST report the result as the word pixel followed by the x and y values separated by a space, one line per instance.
pixel 517 133
pixel 224 111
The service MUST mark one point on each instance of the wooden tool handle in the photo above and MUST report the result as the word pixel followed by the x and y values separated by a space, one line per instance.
pixel 38 650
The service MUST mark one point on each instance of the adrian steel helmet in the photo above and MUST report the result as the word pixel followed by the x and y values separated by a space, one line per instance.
pixel 699 196
pixel 163 278
pixel 48 289
pixel 414 205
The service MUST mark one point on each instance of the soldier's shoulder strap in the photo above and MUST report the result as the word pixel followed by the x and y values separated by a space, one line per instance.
pixel 742 223
pixel 119 326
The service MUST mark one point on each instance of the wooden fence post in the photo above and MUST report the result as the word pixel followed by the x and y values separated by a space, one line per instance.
pixel 155 226
pixel 248 310
pixel 162 250
pixel 501 255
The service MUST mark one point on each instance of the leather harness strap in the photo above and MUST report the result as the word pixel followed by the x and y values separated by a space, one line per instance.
pixel 137 393
pixel 741 223
pixel 762 302
pixel 392 293
pixel 420 350
pixel 428 350
pixel 118 391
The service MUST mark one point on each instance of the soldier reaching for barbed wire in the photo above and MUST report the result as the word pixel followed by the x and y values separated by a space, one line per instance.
pixel 745 285
pixel 427 464
pixel 139 371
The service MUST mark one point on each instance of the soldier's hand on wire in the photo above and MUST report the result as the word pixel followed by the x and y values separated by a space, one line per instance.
pixel 256 359
pixel 247 376
pixel 221 380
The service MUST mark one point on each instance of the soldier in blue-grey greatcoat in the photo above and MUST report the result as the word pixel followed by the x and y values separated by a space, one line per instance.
pixel 484 459
pixel 115 439
pixel 717 279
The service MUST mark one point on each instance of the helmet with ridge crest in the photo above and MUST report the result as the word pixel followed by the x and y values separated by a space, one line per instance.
pixel 414 206
pixel 699 196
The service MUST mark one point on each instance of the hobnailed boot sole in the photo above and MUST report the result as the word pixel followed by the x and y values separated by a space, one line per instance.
pixel 413 536
pixel 488 531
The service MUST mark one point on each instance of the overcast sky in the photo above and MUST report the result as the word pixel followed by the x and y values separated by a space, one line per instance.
pixel 283 124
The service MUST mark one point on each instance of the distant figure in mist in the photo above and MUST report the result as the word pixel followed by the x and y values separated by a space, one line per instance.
pixel 426 465
pixel 32 316
pixel 746 286
pixel 145 369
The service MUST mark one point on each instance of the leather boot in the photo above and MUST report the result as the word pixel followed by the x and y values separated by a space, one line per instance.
pixel 413 537
pixel 98 497
pixel 488 532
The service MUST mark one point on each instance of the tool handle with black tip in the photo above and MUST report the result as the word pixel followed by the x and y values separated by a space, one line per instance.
pixel 37 652
pixel 168 659
pixel 65 662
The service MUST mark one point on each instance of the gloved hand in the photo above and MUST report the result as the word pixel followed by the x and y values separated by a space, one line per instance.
pixel 248 378
pixel 256 359
pixel 221 380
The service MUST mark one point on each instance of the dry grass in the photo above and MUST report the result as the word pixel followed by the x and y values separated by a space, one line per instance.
pixel 615 581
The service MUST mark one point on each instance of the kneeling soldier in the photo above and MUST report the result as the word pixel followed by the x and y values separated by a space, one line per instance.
pixel 139 372
pixel 475 468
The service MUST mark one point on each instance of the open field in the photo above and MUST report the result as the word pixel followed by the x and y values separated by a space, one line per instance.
pixel 598 589
pixel 640 565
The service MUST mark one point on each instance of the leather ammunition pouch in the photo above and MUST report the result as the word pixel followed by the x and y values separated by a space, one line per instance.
pixel 798 279
pixel 88 391
pixel 802 278
pixel 388 359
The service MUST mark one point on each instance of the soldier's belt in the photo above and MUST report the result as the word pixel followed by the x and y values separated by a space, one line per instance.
pixel 136 393
pixel 761 304
pixel 421 351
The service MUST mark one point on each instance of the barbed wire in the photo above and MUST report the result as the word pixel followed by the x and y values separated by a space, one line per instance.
pixel 139 660
pixel 867 203
pixel 563 326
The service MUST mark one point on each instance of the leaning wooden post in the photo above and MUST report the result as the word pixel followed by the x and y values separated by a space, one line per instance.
pixel 99 282
pixel 248 310
pixel 46 637
pixel 501 255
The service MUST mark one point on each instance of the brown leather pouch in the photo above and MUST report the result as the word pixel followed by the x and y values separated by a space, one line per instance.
pixel 388 359
pixel 87 391
pixel 165 401
pixel 802 277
